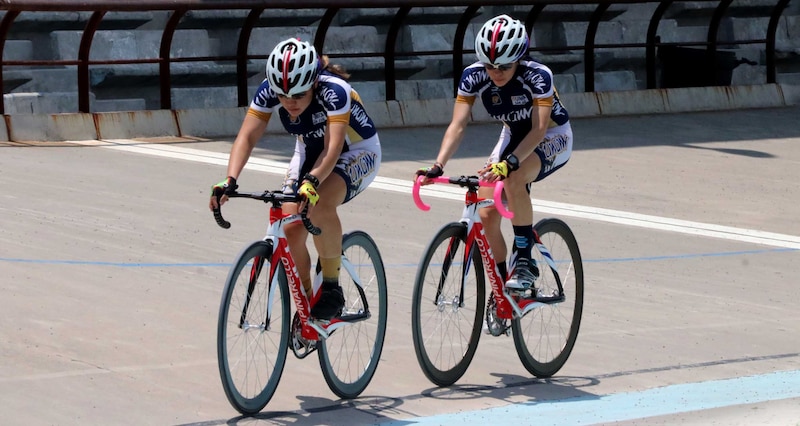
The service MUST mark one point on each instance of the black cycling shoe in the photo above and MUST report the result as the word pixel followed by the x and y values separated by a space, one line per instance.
pixel 330 303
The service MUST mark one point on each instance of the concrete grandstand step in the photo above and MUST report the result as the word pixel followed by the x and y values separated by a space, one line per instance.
pixel 383 16
pixel 205 97
pixel 606 81
pixel 36 22
pixel 699 12
pixel 43 79
pixel 130 44
pixel 790 78
pixel 109 105
pixel 18 50
pixel 337 39
pixel 41 102
pixel 564 12
pixel 216 19
pixel 182 74
pixel 407 89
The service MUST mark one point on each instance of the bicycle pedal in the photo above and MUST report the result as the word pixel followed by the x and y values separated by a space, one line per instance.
pixel 524 293
pixel 319 322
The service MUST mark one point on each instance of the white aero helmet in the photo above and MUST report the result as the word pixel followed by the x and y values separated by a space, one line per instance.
pixel 501 40
pixel 292 67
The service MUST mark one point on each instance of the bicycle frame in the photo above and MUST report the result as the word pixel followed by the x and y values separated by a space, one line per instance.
pixel 312 330
pixel 508 306
pixel 281 256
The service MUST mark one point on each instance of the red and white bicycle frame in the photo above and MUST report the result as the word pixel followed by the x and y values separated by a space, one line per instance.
pixel 312 330
pixel 508 305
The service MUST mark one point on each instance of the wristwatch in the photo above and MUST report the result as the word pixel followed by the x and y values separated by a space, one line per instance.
pixel 512 161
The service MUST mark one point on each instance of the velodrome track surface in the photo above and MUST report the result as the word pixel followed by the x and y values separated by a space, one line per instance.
pixel 112 269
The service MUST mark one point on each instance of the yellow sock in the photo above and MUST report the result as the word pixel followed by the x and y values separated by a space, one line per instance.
pixel 330 268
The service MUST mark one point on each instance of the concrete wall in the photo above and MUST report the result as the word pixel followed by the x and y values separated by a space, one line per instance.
pixel 225 122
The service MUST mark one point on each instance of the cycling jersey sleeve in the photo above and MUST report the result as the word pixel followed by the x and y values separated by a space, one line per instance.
pixel 462 99
pixel 264 102
pixel 335 94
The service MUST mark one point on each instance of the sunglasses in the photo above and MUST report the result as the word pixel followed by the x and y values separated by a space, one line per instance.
pixel 501 67
pixel 295 97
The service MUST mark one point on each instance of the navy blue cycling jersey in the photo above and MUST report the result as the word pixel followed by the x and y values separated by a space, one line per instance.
pixel 334 100
pixel 512 104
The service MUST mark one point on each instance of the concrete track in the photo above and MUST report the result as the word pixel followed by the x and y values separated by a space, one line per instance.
pixel 112 269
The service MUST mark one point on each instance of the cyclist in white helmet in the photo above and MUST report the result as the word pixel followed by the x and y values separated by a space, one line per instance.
pixel 337 154
pixel 536 139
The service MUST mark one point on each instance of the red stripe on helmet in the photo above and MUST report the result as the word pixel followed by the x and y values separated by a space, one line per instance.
pixel 287 56
pixel 495 36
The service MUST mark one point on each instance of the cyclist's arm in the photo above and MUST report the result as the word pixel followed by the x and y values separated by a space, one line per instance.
pixel 252 129
pixel 334 144
pixel 455 131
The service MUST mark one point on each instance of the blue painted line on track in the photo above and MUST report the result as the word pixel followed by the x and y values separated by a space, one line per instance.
pixel 115 264
pixel 587 410
pixel 217 264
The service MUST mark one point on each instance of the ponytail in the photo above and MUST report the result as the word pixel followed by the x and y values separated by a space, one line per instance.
pixel 334 68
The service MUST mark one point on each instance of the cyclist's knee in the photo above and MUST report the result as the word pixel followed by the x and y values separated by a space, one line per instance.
pixel 295 232
pixel 489 216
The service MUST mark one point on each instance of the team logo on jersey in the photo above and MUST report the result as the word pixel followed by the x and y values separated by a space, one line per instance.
pixel 519 100
pixel 318 117
pixel 294 120
pixel 329 95
pixel 496 99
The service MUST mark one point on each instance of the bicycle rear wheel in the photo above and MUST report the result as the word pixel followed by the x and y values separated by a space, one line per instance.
pixel 447 306
pixel 545 336
pixel 350 354
pixel 252 330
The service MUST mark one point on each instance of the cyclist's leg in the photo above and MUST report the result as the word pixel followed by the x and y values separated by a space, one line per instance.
pixel 332 193
pixel 550 155
pixel 354 171
pixel 296 233
pixel 517 195
pixel 491 225
pixel 296 236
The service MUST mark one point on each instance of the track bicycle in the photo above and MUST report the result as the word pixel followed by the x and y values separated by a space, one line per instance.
pixel 449 296
pixel 255 326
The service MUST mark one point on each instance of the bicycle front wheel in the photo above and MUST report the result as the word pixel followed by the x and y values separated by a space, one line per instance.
pixel 350 354
pixel 252 330
pixel 447 306
pixel 545 336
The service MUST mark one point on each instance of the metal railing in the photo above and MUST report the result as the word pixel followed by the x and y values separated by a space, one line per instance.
pixel 179 8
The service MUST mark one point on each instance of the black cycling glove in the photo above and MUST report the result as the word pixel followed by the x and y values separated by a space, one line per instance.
pixel 431 172
pixel 225 187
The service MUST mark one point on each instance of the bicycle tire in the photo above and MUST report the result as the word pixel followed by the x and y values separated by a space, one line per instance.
pixel 443 351
pixel 349 356
pixel 251 358
pixel 545 336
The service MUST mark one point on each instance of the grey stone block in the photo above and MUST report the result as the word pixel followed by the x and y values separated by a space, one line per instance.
pixel 129 44
pixel 216 19
pixel 383 16
pixel 41 102
pixel 44 21
pixel 608 81
pixel 18 50
pixel 204 97
pixel 109 105
pixel 43 79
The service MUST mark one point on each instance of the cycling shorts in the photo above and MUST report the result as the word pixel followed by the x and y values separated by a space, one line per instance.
pixel 358 167
pixel 554 151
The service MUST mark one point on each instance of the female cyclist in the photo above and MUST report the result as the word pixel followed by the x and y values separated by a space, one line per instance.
pixel 536 139
pixel 337 154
